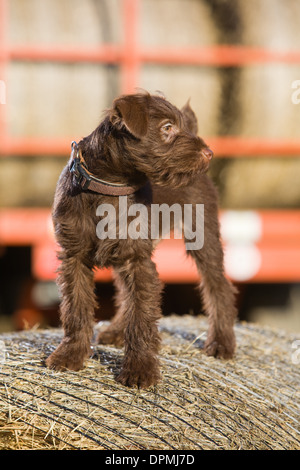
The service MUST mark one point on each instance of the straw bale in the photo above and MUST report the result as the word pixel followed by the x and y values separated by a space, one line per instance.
pixel 264 109
pixel 250 402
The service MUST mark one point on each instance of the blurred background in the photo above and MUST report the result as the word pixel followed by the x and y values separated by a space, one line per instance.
pixel 62 62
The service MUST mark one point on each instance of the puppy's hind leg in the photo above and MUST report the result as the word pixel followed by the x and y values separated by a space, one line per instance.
pixel 114 332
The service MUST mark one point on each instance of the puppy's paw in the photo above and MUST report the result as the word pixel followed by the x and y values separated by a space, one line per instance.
pixel 111 336
pixel 139 374
pixel 223 348
pixel 66 357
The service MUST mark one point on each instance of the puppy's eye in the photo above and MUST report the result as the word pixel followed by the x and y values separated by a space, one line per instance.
pixel 167 127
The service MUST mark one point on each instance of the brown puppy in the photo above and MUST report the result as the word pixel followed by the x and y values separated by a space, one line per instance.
pixel 146 152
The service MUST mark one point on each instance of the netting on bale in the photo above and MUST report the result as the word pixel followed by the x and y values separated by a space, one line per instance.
pixel 250 402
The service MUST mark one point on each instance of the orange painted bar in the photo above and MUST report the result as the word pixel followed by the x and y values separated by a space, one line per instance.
pixel 35 146
pixel 45 264
pixel 130 60
pixel 279 263
pixel 280 225
pixel 26 226
pixel 172 264
pixel 106 53
pixel 218 56
pixel 279 247
pixel 222 146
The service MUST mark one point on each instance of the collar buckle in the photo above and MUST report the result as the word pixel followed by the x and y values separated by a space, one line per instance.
pixel 81 175
pixel 86 180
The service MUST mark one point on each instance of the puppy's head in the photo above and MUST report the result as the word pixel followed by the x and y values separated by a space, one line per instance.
pixel 160 139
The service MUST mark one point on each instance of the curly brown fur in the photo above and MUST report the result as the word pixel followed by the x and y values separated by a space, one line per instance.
pixel 143 140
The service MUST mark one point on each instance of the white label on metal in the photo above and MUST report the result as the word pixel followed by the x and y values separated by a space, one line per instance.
pixel 240 226
pixel 242 261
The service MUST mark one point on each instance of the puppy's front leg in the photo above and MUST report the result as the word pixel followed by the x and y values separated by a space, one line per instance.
pixel 218 293
pixel 76 282
pixel 141 289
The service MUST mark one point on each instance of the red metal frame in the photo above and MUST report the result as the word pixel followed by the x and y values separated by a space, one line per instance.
pixel 280 242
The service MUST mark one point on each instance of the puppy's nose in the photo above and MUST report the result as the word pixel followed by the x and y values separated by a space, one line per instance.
pixel 207 153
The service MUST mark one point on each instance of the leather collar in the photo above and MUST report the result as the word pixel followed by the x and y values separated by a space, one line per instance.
pixel 88 181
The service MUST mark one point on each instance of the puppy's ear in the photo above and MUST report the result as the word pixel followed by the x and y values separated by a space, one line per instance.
pixel 132 110
pixel 190 118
